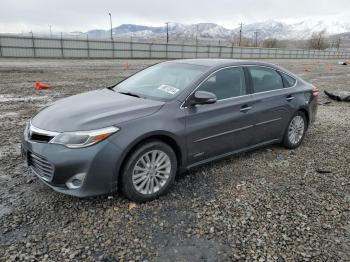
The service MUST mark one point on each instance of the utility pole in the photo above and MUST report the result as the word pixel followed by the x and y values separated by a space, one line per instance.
pixel 110 20
pixel 240 34
pixel 256 38
pixel 33 43
pixel 196 34
pixel 50 26
pixel 167 32
pixel 62 51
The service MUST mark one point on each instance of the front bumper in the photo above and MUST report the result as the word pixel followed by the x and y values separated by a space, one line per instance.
pixel 99 162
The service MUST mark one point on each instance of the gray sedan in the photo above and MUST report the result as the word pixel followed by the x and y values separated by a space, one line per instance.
pixel 137 135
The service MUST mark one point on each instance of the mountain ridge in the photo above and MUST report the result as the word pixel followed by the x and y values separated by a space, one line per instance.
pixel 301 30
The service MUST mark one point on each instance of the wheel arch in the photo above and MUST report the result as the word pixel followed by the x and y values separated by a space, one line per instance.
pixel 306 113
pixel 166 137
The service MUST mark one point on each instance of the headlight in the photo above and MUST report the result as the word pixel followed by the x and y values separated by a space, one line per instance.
pixel 83 138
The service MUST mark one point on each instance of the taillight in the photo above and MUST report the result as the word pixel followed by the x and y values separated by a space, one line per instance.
pixel 315 91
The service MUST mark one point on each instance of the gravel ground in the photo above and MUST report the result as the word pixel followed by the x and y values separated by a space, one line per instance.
pixel 270 204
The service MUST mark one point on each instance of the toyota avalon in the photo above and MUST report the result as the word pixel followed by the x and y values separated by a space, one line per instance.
pixel 138 134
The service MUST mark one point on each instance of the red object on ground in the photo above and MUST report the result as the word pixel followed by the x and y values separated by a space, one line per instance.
pixel 126 65
pixel 330 67
pixel 39 85
pixel 307 69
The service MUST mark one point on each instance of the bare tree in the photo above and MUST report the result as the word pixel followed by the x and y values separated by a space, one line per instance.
pixel 337 43
pixel 246 42
pixel 270 43
pixel 317 40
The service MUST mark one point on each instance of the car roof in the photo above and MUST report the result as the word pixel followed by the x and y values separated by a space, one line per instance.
pixel 221 62
pixel 213 64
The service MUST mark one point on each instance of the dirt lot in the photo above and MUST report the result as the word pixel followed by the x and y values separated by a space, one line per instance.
pixel 271 204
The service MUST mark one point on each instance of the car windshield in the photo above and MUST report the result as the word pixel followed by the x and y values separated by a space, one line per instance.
pixel 162 82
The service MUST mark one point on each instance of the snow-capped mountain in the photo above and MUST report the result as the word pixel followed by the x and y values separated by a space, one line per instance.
pixel 268 29
pixel 201 30
pixel 297 31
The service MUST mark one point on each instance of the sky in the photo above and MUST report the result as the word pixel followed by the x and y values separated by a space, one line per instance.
pixel 18 16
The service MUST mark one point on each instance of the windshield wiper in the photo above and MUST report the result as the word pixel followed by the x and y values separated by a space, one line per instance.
pixel 129 94
pixel 111 88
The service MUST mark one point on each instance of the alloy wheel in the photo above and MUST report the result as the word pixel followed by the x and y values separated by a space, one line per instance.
pixel 296 129
pixel 151 172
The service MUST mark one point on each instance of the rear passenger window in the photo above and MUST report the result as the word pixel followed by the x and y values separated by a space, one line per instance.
pixel 288 80
pixel 225 83
pixel 265 79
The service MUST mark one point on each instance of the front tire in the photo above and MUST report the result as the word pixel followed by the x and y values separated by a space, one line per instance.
pixel 149 171
pixel 296 130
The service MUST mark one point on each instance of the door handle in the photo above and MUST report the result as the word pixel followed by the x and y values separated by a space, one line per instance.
pixel 290 98
pixel 245 108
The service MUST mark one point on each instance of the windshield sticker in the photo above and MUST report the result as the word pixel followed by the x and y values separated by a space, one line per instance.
pixel 168 89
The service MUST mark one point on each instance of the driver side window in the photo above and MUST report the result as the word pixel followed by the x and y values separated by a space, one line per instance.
pixel 225 83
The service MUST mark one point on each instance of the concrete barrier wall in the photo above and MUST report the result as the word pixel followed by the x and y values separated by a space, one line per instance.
pixel 39 47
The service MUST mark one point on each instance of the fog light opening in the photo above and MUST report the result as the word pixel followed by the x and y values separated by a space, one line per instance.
pixel 76 181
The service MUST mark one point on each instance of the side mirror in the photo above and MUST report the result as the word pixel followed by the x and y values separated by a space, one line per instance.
pixel 202 98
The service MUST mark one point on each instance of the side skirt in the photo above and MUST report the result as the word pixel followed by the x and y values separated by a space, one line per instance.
pixel 273 141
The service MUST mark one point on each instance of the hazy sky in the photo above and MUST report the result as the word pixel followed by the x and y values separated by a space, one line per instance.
pixel 82 15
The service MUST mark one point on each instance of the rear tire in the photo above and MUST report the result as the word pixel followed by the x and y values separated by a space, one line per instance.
pixel 149 171
pixel 295 132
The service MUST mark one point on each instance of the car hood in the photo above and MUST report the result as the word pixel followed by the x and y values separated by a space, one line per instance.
pixel 93 110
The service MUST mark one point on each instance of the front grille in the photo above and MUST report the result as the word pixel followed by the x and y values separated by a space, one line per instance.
pixel 41 166
pixel 40 137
